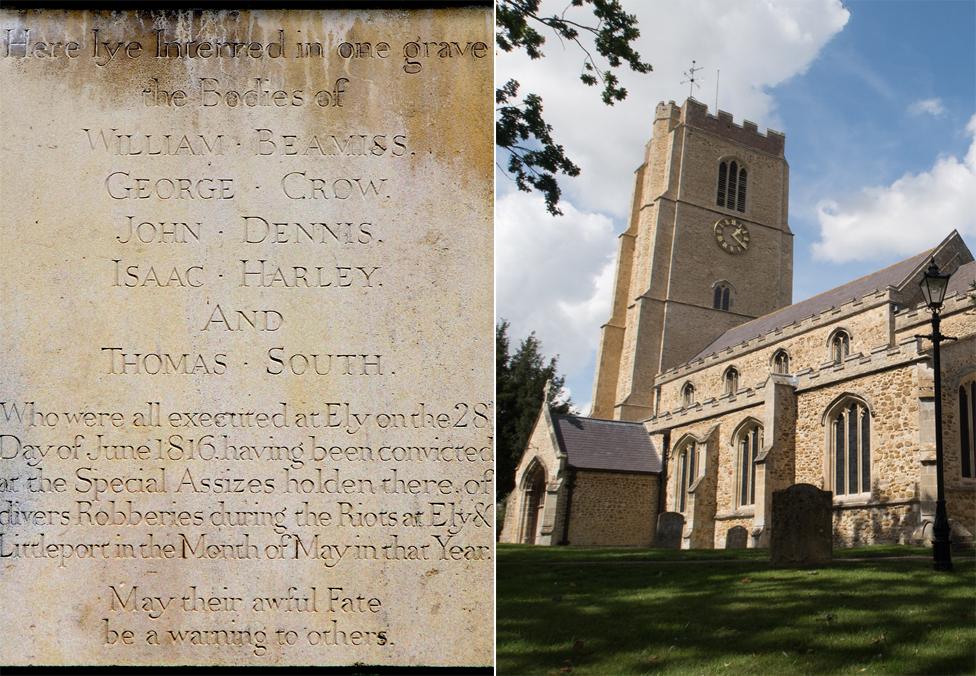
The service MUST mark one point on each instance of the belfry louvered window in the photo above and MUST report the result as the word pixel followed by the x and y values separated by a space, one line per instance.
pixel 850 449
pixel 967 428
pixel 732 180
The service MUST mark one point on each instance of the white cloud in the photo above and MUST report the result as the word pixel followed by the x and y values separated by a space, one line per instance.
pixel 553 275
pixel 913 213
pixel 927 107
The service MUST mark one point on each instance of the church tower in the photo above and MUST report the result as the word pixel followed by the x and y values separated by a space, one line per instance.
pixel 707 247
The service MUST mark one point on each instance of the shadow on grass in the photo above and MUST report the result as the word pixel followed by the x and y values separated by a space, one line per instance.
pixel 743 616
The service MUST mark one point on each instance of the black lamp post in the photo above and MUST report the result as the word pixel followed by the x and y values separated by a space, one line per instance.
pixel 934 285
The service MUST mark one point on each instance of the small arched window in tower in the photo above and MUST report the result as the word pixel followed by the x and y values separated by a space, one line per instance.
pixel 850 447
pixel 731 380
pixel 781 362
pixel 687 395
pixel 731 192
pixel 748 442
pixel 967 427
pixel 722 296
pixel 840 346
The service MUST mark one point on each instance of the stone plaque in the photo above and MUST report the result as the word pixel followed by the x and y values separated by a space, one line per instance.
pixel 670 526
pixel 801 531
pixel 246 337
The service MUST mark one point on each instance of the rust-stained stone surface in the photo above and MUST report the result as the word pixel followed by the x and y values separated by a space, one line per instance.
pixel 245 340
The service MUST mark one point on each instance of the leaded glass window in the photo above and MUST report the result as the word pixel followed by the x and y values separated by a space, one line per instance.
pixel 687 473
pixel 840 346
pixel 749 442
pixel 731 380
pixel 850 449
pixel 781 362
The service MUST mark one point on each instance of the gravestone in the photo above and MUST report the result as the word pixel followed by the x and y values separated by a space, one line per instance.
pixel 669 528
pixel 736 537
pixel 246 344
pixel 801 530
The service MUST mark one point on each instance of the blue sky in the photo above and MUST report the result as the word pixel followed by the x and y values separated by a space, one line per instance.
pixel 889 53
pixel 878 103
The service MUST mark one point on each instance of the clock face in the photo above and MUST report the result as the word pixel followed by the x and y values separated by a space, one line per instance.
pixel 732 235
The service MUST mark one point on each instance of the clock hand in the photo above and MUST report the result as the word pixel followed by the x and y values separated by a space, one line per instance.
pixel 736 235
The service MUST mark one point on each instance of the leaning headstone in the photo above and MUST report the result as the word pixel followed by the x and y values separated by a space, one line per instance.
pixel 801 530
pixel 669 527
pixel 736 537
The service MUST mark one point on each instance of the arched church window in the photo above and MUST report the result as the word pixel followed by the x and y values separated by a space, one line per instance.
pixel 781 362
pixel 967 426
pixel 748 441
pixel 850 447
pixel 687 395
pixel 840 346
pixel 731 192
pixel 731 380
pixel 687 471
pixel 722 296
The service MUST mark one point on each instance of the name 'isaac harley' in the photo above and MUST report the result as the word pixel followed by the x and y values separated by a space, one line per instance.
pixel 259 273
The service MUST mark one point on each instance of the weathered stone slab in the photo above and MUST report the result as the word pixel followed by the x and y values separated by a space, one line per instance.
pixel 669 528
pixel 801 530
pixel 736 537
pixel 246 337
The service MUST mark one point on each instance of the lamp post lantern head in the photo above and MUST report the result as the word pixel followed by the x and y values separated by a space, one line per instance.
pixel 934 284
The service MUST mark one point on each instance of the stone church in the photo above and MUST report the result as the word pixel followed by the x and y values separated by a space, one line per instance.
pixel 713 389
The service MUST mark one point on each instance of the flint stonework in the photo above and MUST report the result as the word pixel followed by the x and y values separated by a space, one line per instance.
pixel 245 339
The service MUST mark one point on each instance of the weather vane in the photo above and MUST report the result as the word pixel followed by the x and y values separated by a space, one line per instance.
pixel 690 79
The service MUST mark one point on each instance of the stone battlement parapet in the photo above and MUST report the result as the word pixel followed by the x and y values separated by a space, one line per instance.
pixel 695 114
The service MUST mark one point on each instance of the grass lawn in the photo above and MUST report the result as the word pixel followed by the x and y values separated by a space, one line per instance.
pixel 626 611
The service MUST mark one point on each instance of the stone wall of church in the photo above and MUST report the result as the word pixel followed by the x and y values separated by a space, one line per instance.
pixel 755 274
pixel 959 366
pixel 725 524
pixel 613 509
pixel 767 174
pixel 895 469
pixel 880 524
pixel 868 329
pixel 893 398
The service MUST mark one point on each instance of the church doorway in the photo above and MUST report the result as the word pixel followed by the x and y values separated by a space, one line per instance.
pixel 533 501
